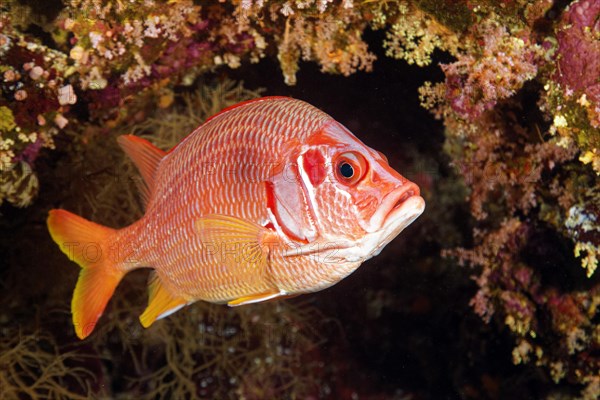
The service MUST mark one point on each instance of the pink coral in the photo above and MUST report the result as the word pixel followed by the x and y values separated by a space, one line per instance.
pixel 579 53
pixel 477 80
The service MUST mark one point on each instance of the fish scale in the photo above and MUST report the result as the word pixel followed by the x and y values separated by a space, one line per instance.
pixel 235 213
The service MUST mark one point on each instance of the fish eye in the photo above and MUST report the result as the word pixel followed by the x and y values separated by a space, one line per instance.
pixel 346 170
pixel 350 167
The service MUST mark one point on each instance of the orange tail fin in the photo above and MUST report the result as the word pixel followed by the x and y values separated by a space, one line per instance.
pixel 86 243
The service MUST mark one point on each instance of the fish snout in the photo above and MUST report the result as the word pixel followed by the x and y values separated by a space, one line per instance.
pixel 404 202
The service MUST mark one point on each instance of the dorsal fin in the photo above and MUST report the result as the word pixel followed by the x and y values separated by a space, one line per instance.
pixel 146 158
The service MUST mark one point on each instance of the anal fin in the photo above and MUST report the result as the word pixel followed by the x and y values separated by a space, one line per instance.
pixel 161 303
pixel 255 298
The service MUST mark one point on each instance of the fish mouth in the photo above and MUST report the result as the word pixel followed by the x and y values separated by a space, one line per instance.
pixel 401 205
pixel 403 194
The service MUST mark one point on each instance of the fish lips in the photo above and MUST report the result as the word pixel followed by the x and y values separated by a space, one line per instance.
pixel 398 209
pixel 402 208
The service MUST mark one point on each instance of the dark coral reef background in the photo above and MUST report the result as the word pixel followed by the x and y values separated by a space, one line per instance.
pixel 492 107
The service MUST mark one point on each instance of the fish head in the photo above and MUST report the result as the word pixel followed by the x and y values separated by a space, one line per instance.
pixel 357 201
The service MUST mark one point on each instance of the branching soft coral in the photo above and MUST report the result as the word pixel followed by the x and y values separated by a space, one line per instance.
pixel 519 182
pixel 210 351
pixel 526 184
pixel 33 98
pixel 321 31
pixel 168 127
pixel 530 309
pixel 34 367
pixel 147 40
pixel 415 34
pixel 498 65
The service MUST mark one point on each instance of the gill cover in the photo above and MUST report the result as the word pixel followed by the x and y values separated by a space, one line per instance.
pixel 288 200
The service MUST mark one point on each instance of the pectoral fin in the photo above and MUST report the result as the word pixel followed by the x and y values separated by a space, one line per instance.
pixel 161 303
pixel 243 246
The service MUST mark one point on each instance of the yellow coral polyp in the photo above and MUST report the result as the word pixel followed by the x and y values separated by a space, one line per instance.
pixel 593 157
pixel 590 261
pixel 583 101
pixel 76 53
pixel 560 121
pixel 587 157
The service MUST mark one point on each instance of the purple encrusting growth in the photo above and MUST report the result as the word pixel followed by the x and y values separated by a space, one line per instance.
pixel 30 153
pixel 579 50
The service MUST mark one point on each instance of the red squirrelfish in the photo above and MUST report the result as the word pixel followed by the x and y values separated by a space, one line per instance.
pixel 269 198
